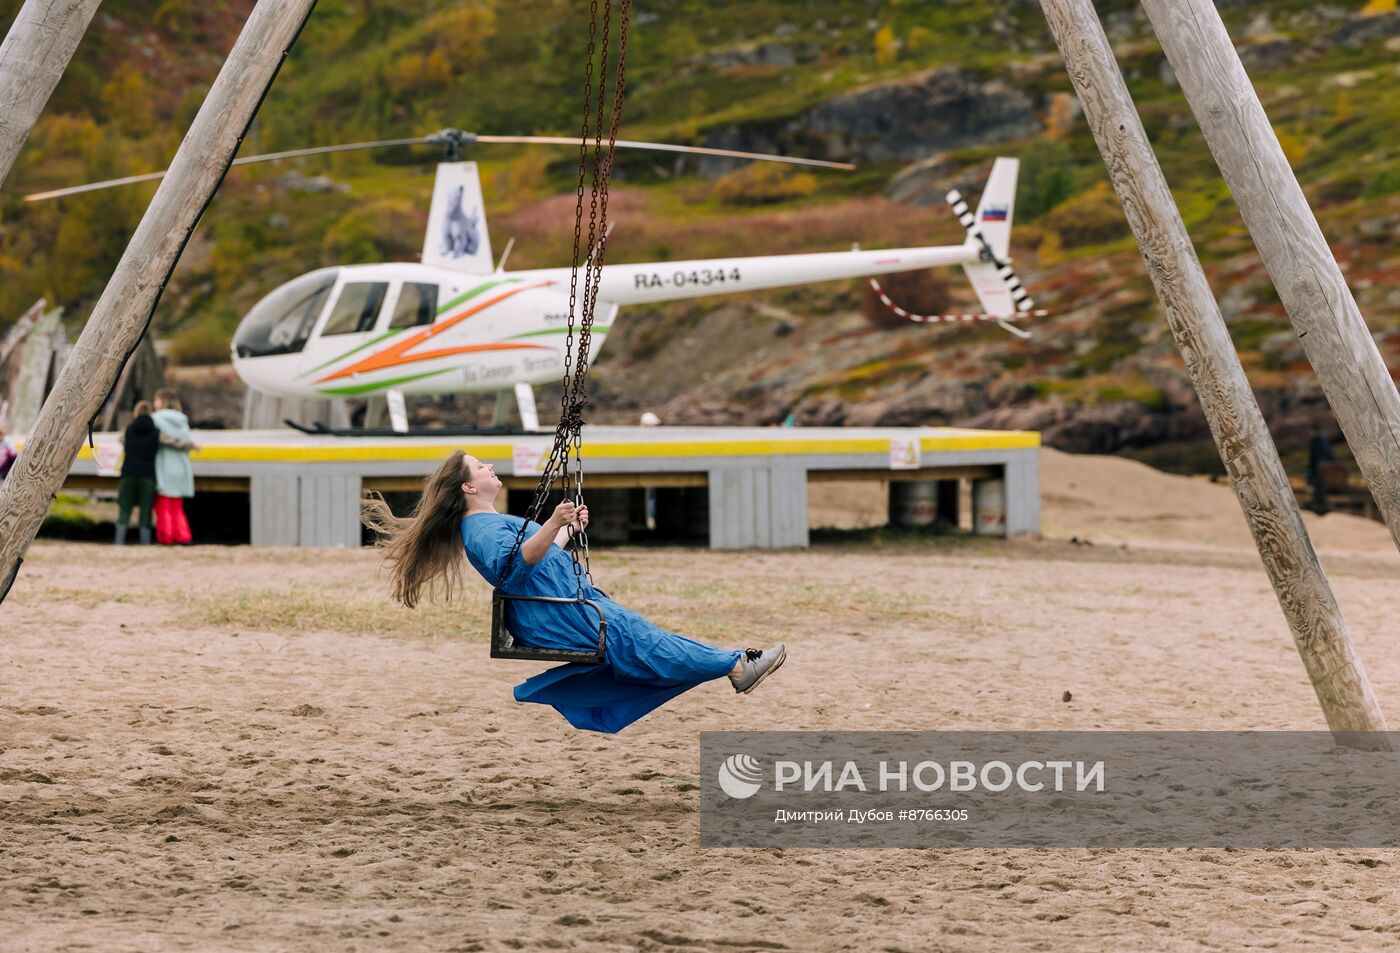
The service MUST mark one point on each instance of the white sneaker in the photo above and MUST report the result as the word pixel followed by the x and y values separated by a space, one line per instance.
pixel 758 665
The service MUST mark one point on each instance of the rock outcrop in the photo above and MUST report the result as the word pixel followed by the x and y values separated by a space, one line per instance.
pixel 929 112
pixel 1363 30
pixel 908 119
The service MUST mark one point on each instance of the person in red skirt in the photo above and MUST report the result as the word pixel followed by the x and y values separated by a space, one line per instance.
pixel 174 474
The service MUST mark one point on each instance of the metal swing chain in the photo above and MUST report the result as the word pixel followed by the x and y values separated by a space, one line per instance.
pixel 573 483
pixel 576 392
pixel 594 278
pixel 568 434
pixel 549 472
pixel 567 399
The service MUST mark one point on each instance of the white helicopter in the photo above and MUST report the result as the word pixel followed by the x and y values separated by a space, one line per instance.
pixel 458 322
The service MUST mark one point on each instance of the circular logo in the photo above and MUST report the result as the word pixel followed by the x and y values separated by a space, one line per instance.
pixel 740 776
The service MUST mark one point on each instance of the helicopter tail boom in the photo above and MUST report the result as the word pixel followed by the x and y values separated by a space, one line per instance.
pixel 984 256
pixel 674 280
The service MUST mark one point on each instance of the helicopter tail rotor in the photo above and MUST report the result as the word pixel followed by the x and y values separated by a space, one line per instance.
pixel 989 234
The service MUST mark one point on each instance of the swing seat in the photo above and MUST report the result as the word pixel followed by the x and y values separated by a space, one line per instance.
pixel 505 646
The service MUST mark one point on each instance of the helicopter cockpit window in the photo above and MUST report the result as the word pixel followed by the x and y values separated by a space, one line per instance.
pixel 281 322
pixel 357 308
pixel 417 305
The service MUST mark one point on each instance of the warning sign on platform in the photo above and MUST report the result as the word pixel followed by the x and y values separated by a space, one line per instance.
pixel 528 459
pixel 904 454
pixel 109 458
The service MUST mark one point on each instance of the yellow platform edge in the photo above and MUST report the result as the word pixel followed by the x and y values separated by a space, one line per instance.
pixel 496 450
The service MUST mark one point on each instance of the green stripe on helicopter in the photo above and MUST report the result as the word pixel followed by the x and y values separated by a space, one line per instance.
pixel 604 328
pixel 380 385
pixel 473 292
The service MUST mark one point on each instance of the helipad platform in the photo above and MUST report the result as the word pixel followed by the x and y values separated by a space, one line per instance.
pixel 305 490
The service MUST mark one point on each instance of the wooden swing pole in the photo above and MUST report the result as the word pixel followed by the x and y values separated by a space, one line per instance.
pixel 33 57
pixel 1246 448
pixel 1321 307
pixel 130 298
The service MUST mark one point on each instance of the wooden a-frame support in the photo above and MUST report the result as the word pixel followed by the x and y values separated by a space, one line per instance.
pixel 33 57
pixel 1246 447
pixel 131 295
pixel 1330 328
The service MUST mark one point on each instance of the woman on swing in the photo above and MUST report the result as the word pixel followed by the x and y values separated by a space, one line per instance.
pixel 644 667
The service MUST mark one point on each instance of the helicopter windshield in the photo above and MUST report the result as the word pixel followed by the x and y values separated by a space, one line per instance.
pixel 281 322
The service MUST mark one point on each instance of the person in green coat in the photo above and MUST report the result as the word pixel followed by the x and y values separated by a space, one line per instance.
pixel 174 473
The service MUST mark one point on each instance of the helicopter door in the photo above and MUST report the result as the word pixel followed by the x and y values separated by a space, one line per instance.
pixel 352 317
pixel 356 309
pixel 415 305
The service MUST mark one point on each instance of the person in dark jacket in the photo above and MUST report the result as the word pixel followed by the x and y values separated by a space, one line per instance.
pixel 1319 452
pixel 138 482
pixel 8 454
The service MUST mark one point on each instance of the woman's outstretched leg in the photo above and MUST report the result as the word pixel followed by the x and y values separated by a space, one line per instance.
pixel 641 651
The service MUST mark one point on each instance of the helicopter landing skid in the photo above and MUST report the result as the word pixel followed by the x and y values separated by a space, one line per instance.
pixel 321 430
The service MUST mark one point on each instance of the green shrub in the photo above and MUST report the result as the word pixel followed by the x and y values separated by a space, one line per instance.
pixel 761 182
pixel 383 230
pixel 1046 180
pixel 202 343
pixel 1383 183
pixel 67 516
pixel 1089 219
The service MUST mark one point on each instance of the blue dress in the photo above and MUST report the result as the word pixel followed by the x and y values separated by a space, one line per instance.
pixel 645 666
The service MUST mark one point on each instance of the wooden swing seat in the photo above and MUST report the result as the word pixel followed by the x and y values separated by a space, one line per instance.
pixel 505 646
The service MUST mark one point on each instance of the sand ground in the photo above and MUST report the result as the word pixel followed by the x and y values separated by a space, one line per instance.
pixel 239 749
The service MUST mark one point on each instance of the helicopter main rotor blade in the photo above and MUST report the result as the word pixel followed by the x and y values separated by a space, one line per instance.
pixel 242 160
pixel 666 147
pixel 94 186
pixel 468 140
pixel 322 150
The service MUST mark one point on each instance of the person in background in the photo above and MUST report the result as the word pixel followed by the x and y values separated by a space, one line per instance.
pixel 1319 452
pixel 650 419
pixel 8 454
pixel 174 474
pixel 137 489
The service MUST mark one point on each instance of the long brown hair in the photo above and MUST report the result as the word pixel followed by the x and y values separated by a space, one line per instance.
pixel 170 399
pixel 424 551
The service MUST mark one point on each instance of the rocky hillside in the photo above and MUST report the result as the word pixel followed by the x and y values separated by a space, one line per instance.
pixel 922 95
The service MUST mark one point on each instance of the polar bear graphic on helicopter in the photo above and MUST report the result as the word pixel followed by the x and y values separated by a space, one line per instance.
pixel 460 237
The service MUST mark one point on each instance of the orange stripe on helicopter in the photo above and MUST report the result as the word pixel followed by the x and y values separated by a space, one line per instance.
pixel 393 356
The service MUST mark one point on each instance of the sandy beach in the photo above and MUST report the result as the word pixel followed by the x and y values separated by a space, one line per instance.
pixel 252 749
